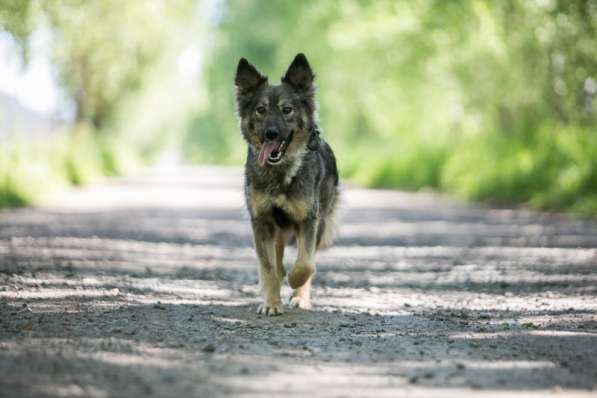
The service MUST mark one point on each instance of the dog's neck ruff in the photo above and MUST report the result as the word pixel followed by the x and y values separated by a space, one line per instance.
pixel 294 168
pixel 313 143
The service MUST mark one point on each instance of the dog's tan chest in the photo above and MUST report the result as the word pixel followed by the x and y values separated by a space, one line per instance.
pixel 262 205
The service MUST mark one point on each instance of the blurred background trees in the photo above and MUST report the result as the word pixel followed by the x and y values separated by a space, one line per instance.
pixel 486 100
pixel 110 59
pixel 102 50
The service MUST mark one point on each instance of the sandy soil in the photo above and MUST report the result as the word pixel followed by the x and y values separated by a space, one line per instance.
pixel 148 287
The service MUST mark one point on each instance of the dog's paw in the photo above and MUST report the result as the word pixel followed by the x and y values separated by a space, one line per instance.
pixel 299 302
pixel 270 309
pixel 300 274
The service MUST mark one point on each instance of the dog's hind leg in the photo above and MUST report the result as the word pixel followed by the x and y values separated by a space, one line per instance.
pixel 281 239
pixel 304 267
pixel 269 278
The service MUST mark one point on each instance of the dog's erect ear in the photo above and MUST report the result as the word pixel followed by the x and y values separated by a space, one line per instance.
pixel 248 78
pixel 299 74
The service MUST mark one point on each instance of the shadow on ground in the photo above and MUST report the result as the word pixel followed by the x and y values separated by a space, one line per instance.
pixel 226 349
pixel 418 296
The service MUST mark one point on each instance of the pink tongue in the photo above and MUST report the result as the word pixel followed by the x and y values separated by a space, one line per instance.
pixel 266 150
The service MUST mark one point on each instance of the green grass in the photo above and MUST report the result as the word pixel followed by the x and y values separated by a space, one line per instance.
pixel 28 170
pixel 552 169
pixel 556 169
pixel 410 166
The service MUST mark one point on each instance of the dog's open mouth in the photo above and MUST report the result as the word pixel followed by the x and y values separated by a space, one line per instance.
pixel 273 152
pixel 276 155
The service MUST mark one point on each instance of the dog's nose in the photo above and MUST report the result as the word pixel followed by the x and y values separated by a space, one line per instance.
pixel 271 133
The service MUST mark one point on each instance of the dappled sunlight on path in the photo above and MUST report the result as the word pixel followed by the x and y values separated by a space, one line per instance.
pixel 148 286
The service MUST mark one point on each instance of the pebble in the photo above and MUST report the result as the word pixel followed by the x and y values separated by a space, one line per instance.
pixel 169 377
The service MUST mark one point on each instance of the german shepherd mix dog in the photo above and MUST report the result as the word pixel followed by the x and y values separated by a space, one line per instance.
pixel 291 180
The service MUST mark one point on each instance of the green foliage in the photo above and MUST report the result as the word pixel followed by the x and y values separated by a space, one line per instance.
pixel 26 171
pixel 30 170
pixel 203 145
pixel 489 100
pixel 409 165
pixel 492 101
pixel 105 48
pixel 109 57
pixel 554 169
pixel 102 50
pixel 16 17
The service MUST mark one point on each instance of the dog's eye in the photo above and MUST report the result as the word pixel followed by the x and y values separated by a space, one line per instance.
pixel 261 110
pixel 287 110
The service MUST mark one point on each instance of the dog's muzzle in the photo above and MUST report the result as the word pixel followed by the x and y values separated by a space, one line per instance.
pixel 277 154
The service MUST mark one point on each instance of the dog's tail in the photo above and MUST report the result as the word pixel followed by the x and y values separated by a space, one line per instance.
pixel 328 230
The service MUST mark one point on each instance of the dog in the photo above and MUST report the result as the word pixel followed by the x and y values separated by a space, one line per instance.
pixel 291 178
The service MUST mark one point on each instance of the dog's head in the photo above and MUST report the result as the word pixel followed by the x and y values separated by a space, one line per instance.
pixel 277 121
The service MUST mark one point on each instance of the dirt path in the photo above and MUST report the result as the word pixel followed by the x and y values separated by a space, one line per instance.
pixel 148 287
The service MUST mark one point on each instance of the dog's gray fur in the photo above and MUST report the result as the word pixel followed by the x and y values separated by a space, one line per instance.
pixel 298 194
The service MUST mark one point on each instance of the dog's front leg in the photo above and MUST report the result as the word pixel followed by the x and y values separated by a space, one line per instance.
pixel 304 267
pixel 269 280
